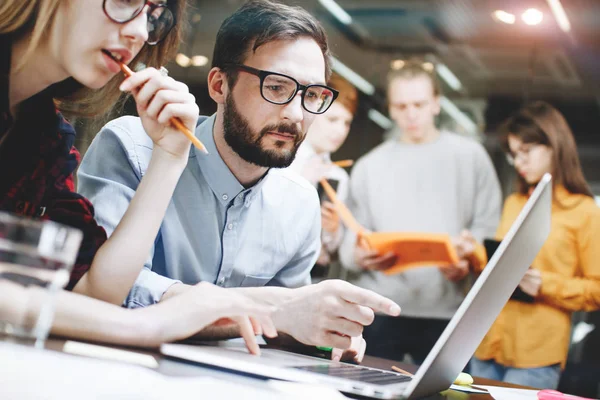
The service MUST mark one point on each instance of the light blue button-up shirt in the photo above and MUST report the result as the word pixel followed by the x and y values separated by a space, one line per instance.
pixel 214 229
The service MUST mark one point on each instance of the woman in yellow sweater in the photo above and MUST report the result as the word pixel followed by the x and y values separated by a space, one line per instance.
pixel 529 342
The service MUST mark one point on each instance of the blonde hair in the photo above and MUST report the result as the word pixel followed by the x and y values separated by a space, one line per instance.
pixel 412 69
pixel 20 18
pixel 19 15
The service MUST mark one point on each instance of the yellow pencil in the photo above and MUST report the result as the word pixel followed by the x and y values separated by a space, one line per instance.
pixel 176 122
pixel 394 368
pixel 343 163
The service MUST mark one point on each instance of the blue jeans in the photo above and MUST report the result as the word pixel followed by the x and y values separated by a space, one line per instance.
pixel 540 378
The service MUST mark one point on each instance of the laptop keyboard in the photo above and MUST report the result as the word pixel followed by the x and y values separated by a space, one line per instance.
pixel 357 373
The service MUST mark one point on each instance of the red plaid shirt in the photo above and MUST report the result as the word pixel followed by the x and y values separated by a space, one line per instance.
pixel 47 192
pixel 37 161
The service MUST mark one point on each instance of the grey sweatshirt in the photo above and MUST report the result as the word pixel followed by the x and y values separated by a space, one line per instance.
pixel 440 187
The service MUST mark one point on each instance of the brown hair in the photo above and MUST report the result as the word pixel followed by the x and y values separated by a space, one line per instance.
pixel 35 17
pixel 259 22
pixel 540 123
pixel 348 96
pixel 412 69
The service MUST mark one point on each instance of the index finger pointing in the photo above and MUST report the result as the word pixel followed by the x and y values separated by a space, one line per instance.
pixel 367 298
pixel 247 332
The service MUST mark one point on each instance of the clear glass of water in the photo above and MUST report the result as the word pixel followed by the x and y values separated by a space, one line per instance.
pixel 36 258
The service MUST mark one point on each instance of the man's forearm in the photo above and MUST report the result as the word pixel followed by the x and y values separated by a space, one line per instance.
pixel 274 296
pixel 268 294
pixel 212 332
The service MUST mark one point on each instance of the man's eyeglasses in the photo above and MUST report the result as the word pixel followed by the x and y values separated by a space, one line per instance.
pixel 160 18
pixel 281 89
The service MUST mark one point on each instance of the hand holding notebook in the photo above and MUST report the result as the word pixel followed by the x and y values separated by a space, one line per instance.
pixel 372 260
pixel 465 246
pixel 414 249
pixel 409 250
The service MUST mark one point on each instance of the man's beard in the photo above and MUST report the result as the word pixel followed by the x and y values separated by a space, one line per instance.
pixel 247 144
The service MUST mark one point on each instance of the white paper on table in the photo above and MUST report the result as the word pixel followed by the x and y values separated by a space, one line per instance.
pixel 502 393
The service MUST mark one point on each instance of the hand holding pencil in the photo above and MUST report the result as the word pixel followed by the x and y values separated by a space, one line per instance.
pixel 163 104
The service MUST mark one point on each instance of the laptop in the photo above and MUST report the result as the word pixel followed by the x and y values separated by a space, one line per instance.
pixel 449 355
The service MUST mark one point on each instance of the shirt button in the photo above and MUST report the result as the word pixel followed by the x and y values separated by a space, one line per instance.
pixel 221 281
pixel 225 197
pixel 230 226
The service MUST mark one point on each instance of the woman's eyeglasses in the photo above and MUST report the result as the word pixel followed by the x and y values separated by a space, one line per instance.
pixel 522 153
pixel 160 18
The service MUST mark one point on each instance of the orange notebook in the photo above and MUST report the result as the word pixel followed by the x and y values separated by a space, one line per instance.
pixel 412 249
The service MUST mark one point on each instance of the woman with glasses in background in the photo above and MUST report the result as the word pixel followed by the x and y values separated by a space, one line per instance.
pixel 529 342
pixel 313 161
pixel 63 56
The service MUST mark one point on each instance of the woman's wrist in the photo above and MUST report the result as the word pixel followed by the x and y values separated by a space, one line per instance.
pixel 168 159
pixel 149 326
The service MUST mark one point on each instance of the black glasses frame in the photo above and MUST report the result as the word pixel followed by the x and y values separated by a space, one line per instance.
pixel 151 7
pixel 262 74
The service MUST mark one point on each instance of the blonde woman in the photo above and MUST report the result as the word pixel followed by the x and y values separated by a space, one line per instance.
pixel 59 55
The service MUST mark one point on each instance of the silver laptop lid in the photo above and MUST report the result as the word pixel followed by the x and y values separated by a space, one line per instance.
pixel 489 294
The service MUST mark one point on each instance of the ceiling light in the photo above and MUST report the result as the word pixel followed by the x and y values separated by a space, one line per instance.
pixel 428 66
pixel 337 11
pixel 532 16
pixel 397 64
pixel 504 16
pixel 182 60
pixel 358 81
pixel 560 15
pixel 448 77
pixel 199 61
pixel 380 119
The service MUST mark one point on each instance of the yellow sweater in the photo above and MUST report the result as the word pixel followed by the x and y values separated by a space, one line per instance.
pixel 535 335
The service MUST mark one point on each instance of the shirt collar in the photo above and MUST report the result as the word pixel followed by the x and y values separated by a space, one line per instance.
pixel 218 175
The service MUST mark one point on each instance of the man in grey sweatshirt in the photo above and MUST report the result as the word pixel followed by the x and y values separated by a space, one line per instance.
pixel 421 180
